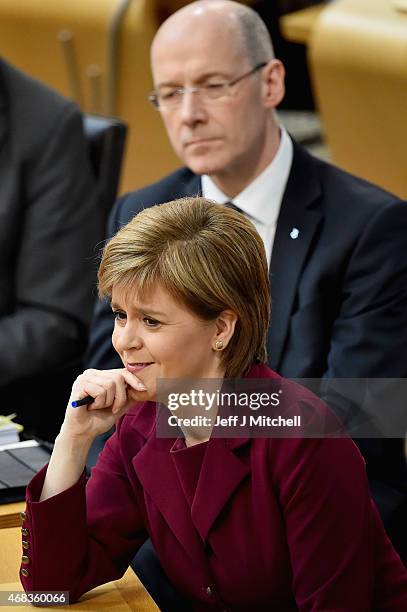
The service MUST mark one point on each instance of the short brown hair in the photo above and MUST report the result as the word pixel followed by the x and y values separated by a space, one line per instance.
pixel 206 256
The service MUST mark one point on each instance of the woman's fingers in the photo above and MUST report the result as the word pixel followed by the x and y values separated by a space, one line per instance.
pixel 121 399
pixel 131 379
pixel 133 382
pixel 83 388
pixel 109 388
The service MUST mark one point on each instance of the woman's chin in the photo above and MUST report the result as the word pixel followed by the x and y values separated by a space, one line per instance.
pixel 141 396
pixel 149 395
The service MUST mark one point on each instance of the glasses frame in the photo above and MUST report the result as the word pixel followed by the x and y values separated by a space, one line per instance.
pixel 153 95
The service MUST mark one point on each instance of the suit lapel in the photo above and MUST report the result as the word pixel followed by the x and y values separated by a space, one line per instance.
pixel 192 187
pixel 157 474
pixel 297 224
pixel 221 474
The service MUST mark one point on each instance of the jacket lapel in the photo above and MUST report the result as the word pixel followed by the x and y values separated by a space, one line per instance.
pixel 156 472
pixel 223 471
pixel 192 187
pixel 297 224
pixel 215 485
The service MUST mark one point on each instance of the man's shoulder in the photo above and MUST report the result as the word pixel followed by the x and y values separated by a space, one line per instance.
pixel 34 110
pixel 340 191
pixel 356 189
pixel 17 83
pixel 178 184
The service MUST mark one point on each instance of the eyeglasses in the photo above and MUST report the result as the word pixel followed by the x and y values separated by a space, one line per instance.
pixel 170 98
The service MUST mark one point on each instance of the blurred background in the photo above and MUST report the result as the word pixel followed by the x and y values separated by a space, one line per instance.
pixel 346 64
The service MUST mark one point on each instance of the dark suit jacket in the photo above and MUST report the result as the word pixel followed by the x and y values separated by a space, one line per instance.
pixel 272 524
pixel 49 225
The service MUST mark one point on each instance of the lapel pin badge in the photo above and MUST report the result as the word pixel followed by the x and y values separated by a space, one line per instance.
pixel 295 232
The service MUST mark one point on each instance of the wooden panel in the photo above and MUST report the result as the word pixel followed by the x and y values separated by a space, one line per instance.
pixel 30 33
pixel 10 514
pixel 125 595
pixel 10 554
pixel 359 68
pixel 297 27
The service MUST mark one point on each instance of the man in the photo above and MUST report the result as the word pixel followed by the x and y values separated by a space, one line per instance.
pixel 335 244
pixel 49 226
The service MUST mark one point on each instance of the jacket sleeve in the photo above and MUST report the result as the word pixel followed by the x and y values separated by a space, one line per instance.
pixel 86 535
pixel 54 270
pixel 334 534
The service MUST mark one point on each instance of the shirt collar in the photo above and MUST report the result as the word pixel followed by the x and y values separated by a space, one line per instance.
pixel 261 199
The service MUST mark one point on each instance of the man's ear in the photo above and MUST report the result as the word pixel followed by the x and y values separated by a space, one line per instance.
pixel 225 327
pixel 273 82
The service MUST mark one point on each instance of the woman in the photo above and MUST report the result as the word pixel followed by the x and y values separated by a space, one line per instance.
pixel 239 523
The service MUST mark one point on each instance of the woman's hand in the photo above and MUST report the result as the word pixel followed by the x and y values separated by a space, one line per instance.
pixel 114 391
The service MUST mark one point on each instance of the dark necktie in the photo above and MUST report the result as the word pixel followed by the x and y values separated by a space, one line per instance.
pixel 236 208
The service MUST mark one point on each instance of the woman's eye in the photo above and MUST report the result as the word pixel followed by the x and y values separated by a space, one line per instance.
pixel 151 322
pixel 119 315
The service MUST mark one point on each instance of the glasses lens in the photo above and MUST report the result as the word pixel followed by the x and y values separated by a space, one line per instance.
pixel 153 99
pixel 214 91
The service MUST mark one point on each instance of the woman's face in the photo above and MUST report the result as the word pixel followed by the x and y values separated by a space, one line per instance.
pixel 161 338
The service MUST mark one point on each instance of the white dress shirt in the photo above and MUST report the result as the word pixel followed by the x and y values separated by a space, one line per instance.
pixel 261 200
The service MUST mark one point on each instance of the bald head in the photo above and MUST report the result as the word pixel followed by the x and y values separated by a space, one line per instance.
pixel 218 84
pixel 244 26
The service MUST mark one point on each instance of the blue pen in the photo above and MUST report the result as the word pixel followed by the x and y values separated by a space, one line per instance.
pixel 82 402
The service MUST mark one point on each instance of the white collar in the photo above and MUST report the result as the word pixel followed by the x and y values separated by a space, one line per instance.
pixel 261 199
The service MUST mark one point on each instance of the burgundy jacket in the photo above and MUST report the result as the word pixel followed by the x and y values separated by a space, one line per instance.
pixel 273 524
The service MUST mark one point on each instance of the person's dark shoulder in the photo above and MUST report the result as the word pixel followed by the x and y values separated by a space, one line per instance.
pixel 176 185
pixel 344 193
pixel 35 110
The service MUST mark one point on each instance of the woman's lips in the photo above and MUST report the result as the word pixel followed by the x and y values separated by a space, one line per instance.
pixel 137 367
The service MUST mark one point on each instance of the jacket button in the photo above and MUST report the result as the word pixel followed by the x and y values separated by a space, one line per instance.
pixel 25 560
pixel 23 515
pixel 25 572
pixel 25 531
pixel 25 544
